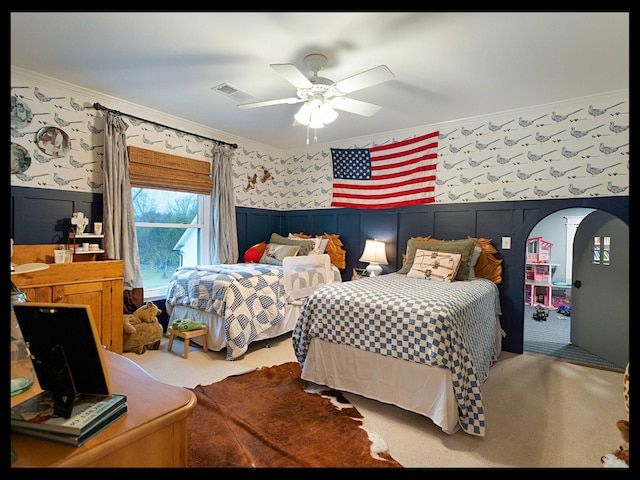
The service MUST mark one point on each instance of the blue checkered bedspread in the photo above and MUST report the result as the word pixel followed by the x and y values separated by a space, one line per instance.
pixel 448 325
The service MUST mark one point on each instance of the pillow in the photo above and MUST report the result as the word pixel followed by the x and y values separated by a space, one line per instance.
pixel 316 243
pixel 463 247
pixel 274 253
pixel 436 266
pixel 474 260
pixel 253 254
pixel 305 245
pixel 323 245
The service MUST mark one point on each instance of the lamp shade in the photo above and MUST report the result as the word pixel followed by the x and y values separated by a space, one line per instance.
pixel 374 253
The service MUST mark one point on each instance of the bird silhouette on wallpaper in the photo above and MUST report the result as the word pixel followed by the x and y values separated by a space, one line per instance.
pixel 449 166
pixel 453 196
pixel 441 181
pixel 145 140
pixel 28 178
pixel 466 180
pixel 618 128
pixel 477 163
pixel 442 136
pixel 467 132
pixel 596 112
pixel 510 194
pixel 580 191
pixel 616 189
pixel 561 118
pixel 40 158
pixel 527 123
pixel 545 138
pixel 598 171
pixel 534 157
pixel 192 152
pixel 454 149
pixel 560 173
pixel 85 146
pixel 524 176
pixel 504 160
pixel 42 97
pixel 168 146
pixel 62 122
pixel 494 178
pixel 93 185
pixel 480 195
pixel 581 133
pixel 94 130
pixel 609 150
pixel 572 153
pixel 18 134
pixel 510 143
pixel 543 193
pixel 251 184
pixel 75 105
pixel 495 128
pixel 76 164
pixel 62 181
pixel 482 146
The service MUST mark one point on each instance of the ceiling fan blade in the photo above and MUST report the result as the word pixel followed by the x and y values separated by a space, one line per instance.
pixel 355 106
pixel 290 100
pixel 364 79
pixel 292 75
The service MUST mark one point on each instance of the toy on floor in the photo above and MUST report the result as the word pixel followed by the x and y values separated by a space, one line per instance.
pixel 186 325
pixel 619 458
pixel 141 329
pixel 540 314
pixel 564 310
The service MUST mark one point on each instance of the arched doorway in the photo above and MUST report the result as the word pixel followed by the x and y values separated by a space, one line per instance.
pixel 552 336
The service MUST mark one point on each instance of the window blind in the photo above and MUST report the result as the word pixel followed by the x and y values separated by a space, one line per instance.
pixel 164 171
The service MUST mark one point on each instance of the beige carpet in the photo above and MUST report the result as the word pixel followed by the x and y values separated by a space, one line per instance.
pixel 540 413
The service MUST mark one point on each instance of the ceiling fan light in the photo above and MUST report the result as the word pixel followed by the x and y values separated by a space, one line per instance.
pixel 328 113
pixel 316 119
pixel 304 115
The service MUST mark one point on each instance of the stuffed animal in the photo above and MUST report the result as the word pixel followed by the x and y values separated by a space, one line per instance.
pixel 619 458
pixel 142 330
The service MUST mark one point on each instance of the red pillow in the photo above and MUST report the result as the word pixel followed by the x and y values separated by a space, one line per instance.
pixel 253 254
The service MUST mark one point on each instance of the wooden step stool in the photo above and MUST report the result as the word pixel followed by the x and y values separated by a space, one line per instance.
pixel 187 336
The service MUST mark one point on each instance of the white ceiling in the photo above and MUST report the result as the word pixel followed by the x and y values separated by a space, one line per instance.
pixel 447 66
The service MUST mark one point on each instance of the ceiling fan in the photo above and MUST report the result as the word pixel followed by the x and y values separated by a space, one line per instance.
pixel 321 95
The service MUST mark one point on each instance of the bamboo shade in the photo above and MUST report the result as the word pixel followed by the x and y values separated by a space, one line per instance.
pixel 163 171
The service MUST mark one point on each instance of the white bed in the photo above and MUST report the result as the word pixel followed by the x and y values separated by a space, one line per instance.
pixel 238 307
pixel 378 337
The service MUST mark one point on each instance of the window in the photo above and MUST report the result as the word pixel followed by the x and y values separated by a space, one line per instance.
pixel 171 232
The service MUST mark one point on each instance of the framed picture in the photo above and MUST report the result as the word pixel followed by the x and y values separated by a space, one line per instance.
pixel 359 273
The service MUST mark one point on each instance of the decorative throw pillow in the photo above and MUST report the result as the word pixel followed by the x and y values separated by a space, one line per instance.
pixel 274 253
pixel 305 245
pixel 474 259
pixel 316 243
pixel 253 254
pixel 463 247
pixel 436 266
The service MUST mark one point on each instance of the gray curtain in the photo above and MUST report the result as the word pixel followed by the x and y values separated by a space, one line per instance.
pixel 118 221
pixel 224 236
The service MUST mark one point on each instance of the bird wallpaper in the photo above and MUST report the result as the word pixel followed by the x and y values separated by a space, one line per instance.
pixel 577 148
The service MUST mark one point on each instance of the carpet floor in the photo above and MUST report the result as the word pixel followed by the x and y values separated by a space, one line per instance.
pixel 551 338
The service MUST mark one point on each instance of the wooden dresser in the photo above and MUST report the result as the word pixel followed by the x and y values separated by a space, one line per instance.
pixel 95 283
pixel 153 432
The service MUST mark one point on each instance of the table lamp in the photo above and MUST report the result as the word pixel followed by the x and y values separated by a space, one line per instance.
pixel 374 253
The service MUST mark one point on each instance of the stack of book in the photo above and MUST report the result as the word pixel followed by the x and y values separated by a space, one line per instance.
pixel 90 415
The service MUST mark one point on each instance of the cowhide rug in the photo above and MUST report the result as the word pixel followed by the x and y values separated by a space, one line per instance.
pixel 265 418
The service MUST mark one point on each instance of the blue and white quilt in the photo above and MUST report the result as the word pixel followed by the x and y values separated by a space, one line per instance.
pixel 447 325
pixel 249 296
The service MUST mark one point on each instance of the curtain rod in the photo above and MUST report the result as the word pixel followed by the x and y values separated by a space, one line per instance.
pixel 97 106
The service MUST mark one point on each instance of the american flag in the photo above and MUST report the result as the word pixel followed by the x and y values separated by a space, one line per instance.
pixel 387 176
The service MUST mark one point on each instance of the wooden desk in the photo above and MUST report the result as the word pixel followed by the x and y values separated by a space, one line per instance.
pixel 153 433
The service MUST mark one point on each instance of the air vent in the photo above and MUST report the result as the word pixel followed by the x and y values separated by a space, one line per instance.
pixel 232 92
